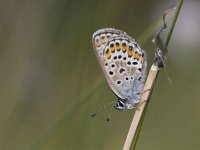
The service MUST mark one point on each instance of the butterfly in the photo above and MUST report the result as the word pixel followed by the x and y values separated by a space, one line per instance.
pixel 124 65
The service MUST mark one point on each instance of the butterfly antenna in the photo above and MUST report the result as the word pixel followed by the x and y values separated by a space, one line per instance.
pixel 109 115
pixel 102 108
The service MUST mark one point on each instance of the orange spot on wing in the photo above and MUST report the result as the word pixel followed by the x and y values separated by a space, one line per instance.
pixel 123 48
pixel 119 48
pixel 137 56
pixel 130 53
pixel 112 49
pixel 108 54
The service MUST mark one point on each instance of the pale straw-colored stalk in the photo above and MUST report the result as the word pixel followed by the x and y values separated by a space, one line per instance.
pixel 136 124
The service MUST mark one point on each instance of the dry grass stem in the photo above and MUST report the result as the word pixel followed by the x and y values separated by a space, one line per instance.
pixel 136 119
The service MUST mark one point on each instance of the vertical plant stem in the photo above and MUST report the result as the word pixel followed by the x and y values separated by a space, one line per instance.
pixel 136 125
pixel 178 9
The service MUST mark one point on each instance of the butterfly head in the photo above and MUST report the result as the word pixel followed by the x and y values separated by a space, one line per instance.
pixel 120 105
pixel 123 104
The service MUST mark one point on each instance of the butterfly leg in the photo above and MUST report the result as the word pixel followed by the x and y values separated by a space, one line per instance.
pixel 140 104
pixel 144 101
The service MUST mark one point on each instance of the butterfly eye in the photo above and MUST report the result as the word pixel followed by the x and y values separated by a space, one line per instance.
pixel 121 103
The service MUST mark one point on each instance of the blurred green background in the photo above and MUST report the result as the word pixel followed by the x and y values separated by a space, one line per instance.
pixel 50 81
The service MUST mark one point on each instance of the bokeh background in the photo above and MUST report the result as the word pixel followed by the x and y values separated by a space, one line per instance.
pixel 50 81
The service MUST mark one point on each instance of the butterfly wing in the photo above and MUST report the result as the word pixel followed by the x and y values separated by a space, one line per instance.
pixel 122 61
